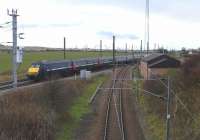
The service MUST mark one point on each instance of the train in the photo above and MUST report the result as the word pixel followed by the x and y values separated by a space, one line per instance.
pixel 61 68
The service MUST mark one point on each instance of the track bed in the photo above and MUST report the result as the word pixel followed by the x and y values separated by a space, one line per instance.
pixel 114 116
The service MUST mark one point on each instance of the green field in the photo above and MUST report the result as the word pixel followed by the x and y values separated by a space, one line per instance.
pixel 29 57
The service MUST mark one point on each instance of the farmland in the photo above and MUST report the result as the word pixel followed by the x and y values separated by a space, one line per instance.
pixel 29 57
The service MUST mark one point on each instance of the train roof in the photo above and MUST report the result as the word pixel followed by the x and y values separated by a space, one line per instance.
pixel 68 61
pixel 51 61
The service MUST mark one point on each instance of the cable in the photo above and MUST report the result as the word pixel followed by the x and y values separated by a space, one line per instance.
pixel 180 101
pixel 176 96
pixel 6 23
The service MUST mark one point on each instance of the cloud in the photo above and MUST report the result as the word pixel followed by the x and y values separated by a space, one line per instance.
pixel 54 25
pixel 91 20
pixel 105 34
pixel 128 36
pixel 131 4
pixel 29 26
pixel 65 25
pixel 184 9
pixel 180 9
pixel 109 34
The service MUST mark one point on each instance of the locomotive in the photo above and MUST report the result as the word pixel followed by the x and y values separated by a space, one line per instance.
pixel 46 69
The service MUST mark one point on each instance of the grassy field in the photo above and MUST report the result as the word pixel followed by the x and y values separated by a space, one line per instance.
pixel 29 57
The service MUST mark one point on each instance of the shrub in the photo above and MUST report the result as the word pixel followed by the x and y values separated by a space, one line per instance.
pixel 34 113
pixel 24 120
pixel 190 71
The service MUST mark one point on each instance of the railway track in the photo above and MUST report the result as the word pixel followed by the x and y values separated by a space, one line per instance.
pixel 8 84
pixel 114 127
pixel 24 82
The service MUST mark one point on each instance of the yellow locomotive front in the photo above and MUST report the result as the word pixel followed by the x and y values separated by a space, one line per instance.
pixel 33 71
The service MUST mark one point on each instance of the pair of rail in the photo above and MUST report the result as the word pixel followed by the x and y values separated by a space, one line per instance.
pixel 119 111
pixel 9 84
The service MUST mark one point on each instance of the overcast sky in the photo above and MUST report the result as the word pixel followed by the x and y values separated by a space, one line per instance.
pixel 173 23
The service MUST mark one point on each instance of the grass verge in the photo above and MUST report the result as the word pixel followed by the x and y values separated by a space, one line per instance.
pixel 154 126
pixel 79 108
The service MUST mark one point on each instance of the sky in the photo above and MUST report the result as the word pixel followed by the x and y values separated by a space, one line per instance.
pixel 173 24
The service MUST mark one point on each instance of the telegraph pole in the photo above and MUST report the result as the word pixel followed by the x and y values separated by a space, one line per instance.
pixel 147 25
pixel 141 49
pixel 64 47
pixel 101 55
pixel 132 52
pixel 168 109
pixel 126 52
pixel 14 15
pixel 113 50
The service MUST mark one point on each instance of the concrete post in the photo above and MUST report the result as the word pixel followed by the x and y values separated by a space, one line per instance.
pixel 168 110
pixel 14 47
pixel 101 55
pixel 64 47
pixel 113 50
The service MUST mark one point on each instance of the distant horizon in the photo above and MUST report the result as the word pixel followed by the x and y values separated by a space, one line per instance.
pixel 96 49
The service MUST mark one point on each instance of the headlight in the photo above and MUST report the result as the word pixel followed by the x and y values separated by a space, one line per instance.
pixel 33 71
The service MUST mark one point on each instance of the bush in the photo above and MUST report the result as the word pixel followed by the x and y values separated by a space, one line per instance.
pixel 190 71
pixel 24 120
pixel 35 113
pixel 186 84
pixel 155 105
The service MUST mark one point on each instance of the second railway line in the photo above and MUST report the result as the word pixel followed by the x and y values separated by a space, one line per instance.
pixel 117 123
pixel 9 84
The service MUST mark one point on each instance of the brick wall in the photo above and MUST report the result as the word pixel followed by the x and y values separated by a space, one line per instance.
pixel 151 72
pixel 143 69
pixel 158 71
